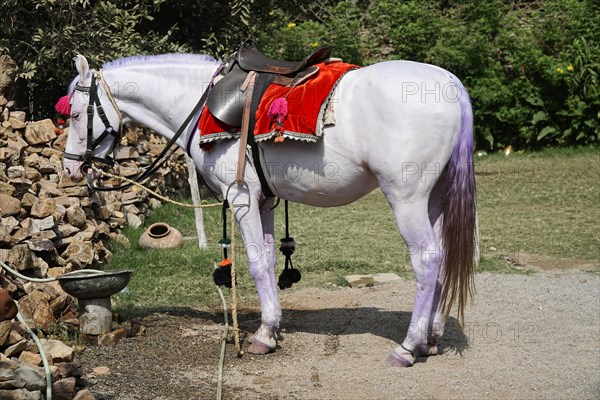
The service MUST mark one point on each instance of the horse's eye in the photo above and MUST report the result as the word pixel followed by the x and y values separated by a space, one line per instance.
pixel 75 116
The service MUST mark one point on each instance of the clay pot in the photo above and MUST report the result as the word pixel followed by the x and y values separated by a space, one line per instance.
pixel 160 236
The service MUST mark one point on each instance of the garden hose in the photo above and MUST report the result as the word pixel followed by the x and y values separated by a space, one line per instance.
pixel 223 343
pixel 46 280
pixel 42 355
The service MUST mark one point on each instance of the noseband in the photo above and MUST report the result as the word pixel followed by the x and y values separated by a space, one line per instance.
pixel 94 104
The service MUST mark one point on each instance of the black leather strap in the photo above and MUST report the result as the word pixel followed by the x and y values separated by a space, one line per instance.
pixel 165 154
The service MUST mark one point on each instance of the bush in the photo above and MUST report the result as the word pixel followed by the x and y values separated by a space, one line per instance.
pixel 293 37
pixel 531 67
pixel 518 62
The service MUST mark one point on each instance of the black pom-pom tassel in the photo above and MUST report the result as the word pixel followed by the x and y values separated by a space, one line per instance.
pixel 222 274
pixel 289 275
pixel 287 247
pixel 285 279
pixel 295 275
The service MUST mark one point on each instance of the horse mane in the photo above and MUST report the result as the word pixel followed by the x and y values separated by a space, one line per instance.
pixel 173 58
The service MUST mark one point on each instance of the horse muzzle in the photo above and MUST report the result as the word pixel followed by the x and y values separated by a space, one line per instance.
pixel 72 169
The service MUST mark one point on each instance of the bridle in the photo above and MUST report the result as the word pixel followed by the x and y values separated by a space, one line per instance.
pixel 88 158
pixel 94 104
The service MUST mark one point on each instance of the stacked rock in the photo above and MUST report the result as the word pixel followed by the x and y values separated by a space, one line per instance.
pixel 22 375
pixel 50 225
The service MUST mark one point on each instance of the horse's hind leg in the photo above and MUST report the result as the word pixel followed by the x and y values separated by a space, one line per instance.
pixel 438 319
pixel 412 218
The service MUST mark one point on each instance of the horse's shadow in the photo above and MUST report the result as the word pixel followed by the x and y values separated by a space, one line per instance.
pixel 391 325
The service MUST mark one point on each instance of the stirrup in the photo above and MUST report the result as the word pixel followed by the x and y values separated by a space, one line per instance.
pixel 243 183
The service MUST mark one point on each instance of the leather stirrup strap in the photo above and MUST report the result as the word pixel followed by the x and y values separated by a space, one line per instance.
pixel 247 87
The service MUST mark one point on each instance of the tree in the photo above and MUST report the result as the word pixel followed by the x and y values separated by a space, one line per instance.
pixel 42 36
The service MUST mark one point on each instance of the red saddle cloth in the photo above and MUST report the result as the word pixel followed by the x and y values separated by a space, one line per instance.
pixel 306 105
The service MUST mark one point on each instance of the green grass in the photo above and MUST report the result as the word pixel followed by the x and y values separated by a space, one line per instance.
pixel 543 203
pixel 328 248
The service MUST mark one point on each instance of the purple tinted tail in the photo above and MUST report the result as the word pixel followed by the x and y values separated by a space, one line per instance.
pixel 459 214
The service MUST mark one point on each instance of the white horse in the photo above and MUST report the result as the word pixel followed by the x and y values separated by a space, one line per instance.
pixel 404 127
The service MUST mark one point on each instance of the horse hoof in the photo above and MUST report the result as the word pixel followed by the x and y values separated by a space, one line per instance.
pixel 275 334
pixel 260 348
pixel 397 360
pixel 426 350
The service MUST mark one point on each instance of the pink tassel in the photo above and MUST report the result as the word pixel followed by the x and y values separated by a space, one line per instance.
pixel 63 106
pixel 278 110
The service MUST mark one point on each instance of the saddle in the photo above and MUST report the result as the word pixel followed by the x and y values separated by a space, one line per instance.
pixel 250 58
pixel 228 95
pixel 240 84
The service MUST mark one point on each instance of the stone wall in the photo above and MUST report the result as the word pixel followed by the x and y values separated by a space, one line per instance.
pixel 50 226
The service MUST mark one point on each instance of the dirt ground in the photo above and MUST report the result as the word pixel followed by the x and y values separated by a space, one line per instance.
pixel 525 337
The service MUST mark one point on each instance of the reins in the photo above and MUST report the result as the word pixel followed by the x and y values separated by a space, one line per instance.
pixel 94 104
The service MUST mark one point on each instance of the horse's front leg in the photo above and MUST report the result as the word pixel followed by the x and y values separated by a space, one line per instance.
pixel 260 249
pixel 266 332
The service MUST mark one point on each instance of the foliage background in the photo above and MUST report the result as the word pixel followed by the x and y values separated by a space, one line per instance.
pixel 531 66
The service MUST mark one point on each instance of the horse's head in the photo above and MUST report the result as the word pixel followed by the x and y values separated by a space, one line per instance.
pixel 93 114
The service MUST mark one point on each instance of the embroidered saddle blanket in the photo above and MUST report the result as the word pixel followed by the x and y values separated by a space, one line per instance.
pixel 303 118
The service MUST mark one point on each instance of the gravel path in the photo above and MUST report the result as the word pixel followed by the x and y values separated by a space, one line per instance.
pixel 525 337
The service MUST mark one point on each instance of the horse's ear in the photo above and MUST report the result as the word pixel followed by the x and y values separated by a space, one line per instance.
pixel 83 68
